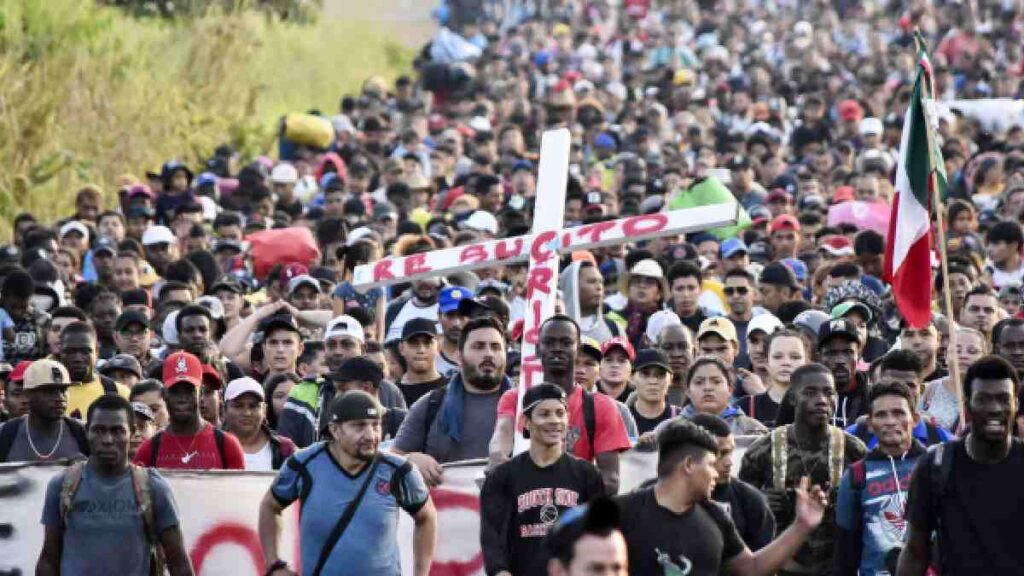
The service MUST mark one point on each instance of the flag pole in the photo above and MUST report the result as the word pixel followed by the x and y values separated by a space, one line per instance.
pixel 940 225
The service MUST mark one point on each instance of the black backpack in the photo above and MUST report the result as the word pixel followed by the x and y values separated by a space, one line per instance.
pixel 9 433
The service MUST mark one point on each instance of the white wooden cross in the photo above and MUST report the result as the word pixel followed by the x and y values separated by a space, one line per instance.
pixel 543 246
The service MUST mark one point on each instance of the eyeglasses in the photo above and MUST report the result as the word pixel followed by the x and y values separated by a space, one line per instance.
pixel 741 290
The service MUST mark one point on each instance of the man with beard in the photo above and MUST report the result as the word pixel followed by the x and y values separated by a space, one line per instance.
pixel 81 540
pixel 188 442
pixel 456 421
pixel 419 349
pixel 43 433
pixel 452 321
pixel 839 348
pixel 1008 338
pixel 330 480
pixel 676 342
pixel 523 498
pixel 924 342
pixel 596 430
pixel 420 302
pixel 967 491
pixel 778 462
pixel 672 527
pixel 78 355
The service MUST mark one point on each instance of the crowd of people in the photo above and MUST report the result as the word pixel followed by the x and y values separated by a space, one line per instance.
pixel 156 327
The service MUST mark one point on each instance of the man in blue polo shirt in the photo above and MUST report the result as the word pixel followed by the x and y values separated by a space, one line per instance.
pixel 350 494
pixel 902 367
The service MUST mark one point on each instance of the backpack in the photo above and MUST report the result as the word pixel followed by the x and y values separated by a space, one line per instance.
pixel 780 456
pixel 143 499
pixel 218 438
pixel 10 430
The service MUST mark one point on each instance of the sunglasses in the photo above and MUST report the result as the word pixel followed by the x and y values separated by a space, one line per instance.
pixel 741 290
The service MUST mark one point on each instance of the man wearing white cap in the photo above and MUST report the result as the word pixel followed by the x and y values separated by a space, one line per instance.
pixel 283 178
pixel 245 416
pixel 74 236
pixel 161 247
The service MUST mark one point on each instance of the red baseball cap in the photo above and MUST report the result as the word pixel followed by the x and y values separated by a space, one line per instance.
pixel 18 374
pixel 211 378
pixel 837 245
pixel 850 110
pixel 183 367
pixel 291 271
pixel 784 222
pixel 618 342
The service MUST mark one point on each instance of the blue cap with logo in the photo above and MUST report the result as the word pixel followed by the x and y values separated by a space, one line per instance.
pixel 448 300
pixel 733 246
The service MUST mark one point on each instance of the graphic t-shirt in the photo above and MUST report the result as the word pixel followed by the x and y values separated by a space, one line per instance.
pixel 369 546
pixel 697 542
pixel 105 533
pixel 196 452
pixel 609 430
pixel 521 501
pixel 82 395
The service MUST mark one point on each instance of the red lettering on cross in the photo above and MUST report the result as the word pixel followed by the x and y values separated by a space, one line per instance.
pixel 416 264
pixel 531 373
pixel 539 244
pixel 645 224
pixel 503 252
pixel 594 231
pixel 473 254
pixel 532 333
pixel 382 270
pixel 539 279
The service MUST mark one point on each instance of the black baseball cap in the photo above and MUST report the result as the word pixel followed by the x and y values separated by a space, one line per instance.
pixel 358 368
pixel 838 328
pixel 129 317
pixel 418 326
pixel 778 274
pixel 282 320
pixel 355 405
pixel 227 282
pixel 104 244
pixel 651 357
pixel 136 296
pixel 482 305
pixel 125 362
pixel 540 392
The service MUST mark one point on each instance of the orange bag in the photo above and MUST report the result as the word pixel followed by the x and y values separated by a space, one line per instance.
pixel 283 246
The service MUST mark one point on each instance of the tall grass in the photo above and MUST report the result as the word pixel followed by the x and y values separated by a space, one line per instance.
pixel 88 94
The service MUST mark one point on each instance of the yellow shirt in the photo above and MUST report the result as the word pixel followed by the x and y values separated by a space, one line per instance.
pixel 81 396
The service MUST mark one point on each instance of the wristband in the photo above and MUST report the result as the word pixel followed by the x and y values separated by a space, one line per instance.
pixel 275 566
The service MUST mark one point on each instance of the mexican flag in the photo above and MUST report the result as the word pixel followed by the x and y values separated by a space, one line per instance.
pixel 908 252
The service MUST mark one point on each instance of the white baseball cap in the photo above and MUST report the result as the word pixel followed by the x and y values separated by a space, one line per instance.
pixel 73 226
pixel 303 280
pixel 659 321
pixel 284 173
pixel 344 325
pixel 158 235
pixel 482 221
pixel 766 322
pixel 244 385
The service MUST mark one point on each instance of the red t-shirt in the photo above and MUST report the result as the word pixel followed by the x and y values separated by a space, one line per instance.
pixel 196 452
pixel 609 430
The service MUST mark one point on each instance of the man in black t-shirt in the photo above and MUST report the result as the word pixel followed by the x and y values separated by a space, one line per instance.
pixel 745 504
pixel 672 527
pixel 419 350
pixel 968 491
pixel 523 498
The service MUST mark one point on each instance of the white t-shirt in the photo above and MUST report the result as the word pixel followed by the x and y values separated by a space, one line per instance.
pixel 409 311
pixel 260 461
pixel 1002 278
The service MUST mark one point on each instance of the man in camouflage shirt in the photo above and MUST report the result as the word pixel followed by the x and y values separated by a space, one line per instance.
pixel 809 447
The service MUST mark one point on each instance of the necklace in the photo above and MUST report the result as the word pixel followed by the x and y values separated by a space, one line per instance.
pixel 31 444
pixel 189 454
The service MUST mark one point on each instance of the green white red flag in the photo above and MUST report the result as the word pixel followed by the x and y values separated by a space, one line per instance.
pixel 908 250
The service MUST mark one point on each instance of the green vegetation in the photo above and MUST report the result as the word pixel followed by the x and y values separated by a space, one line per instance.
pixel 89 93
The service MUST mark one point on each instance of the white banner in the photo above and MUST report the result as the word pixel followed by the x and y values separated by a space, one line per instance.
pixel 219 512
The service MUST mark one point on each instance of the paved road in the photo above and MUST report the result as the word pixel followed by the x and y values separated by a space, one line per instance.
pixel 406 20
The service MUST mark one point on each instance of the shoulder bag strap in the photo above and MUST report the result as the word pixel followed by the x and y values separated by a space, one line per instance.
pixel 68 489
pixel 346 518
pixel 589 420
pixel 837 456
pixel 218 438
pixel 779 457
pixel 154 448
pixel 8 433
